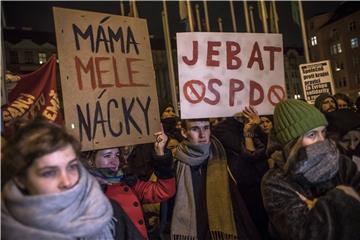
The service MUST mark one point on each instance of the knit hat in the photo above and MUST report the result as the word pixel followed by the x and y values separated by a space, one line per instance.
pixel 321 98
pixel 293 118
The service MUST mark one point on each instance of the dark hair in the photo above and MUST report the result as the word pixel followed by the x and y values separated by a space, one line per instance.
pixel 33 139
pixel 344 97
pixel 184 121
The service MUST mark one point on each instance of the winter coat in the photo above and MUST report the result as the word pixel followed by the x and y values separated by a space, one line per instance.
pixel 247 167
pixel 328 213
pixel 130 196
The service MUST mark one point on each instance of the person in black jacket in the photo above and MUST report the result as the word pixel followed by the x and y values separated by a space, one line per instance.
pixel 312 192
pixel 242 138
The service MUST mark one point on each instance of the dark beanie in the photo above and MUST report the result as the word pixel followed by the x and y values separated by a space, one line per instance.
pixel 342 121
pixel 293 118
pixel 321 98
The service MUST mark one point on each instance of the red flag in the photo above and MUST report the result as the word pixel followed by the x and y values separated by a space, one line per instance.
pixel 35 94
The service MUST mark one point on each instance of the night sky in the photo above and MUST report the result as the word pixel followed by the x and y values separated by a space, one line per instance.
pixel 38 15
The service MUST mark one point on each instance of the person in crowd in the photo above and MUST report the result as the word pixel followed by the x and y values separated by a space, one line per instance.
pixel 266 123
pixel 343 101
pixel 242 138
pixel 312 192
pixel 325 102
pixel 130 192
pixel 47 193
pixel 344 129
pixel 357 104
pixel 207 203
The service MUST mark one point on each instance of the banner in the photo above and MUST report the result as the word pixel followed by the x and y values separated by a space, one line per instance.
pixel 35 94
pixel 221 73
pixel 316 79
pixel 107 78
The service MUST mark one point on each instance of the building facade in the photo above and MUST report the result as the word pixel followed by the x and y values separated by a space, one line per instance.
pixel 336 37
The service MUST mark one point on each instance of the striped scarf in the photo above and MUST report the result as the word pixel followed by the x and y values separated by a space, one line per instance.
pixel 219 206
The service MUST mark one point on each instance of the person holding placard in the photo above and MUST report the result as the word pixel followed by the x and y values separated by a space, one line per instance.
pixel 312 192
pixel 207 203
pixel 128 191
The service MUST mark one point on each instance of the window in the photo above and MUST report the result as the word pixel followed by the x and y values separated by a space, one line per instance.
pixel 352 26
pixel 313 41
pixel 334 49
pixel 356 61
pixel 334 34
pixel 14 57
pixel 344 82
pixel 28 57
pixel 354 42
pixel 339 47
pixel 42 58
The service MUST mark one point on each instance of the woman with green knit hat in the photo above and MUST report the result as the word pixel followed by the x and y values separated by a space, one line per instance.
pixel 312 191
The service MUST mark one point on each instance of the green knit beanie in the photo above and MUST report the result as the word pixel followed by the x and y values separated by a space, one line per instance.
pixel 293 118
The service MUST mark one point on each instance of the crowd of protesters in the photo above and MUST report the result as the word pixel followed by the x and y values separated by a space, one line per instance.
pixel 290 175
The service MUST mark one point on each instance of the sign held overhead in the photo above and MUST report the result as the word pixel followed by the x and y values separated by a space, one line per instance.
pixel 221 73
pixel 107 78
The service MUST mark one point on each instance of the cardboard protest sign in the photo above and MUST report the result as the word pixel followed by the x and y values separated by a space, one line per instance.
pixel 221 73
pixel 107 78
pixel 316 79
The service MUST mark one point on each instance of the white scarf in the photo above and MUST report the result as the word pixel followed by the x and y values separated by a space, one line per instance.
pixel 81 212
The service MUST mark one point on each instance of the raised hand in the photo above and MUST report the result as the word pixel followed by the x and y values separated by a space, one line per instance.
pixel 160 142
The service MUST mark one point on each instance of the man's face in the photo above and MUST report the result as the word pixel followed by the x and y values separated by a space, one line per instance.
pixel 197 132
pixel 328 105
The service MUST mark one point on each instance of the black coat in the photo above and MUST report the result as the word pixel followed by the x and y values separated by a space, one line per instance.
pixel 334 216
pixel 247 168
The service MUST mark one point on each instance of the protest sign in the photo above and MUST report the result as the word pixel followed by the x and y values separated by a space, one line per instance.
pixel 221 73
pixel 34 95
pixel 316 79
pixel 107 78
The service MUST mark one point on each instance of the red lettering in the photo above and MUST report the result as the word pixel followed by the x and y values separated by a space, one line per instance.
pixel 195 55
pixel 274 90
pixel 211 52
pixel 88 68
pixel 214 91
pixel 100 72
pixel 271 54
pixel 255 86
pixel 256 56
pixel 235 85
pixel 189 86
pixel 132 72
pixel 116 75
pixel 231 55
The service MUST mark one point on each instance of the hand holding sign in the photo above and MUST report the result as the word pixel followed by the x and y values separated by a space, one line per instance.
pixel 160 143
pixel 252 116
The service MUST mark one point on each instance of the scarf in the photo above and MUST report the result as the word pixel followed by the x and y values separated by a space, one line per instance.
pixel 316 163
pixel 82 212
pixel 218 199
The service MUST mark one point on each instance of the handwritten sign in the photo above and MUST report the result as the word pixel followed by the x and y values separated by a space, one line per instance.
pixel 107 78
pixel 221 73
pixel 316 79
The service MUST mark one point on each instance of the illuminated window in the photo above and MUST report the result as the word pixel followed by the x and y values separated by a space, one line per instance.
pixel 354 42
pixel 42 58
pixel 313 41
pixel 339 47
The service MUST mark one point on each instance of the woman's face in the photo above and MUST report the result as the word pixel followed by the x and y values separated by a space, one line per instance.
pixel 108 158
pixel 266 124
pixel 52 173
pixel 342 104
pixel 169 112
pixel 314 135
